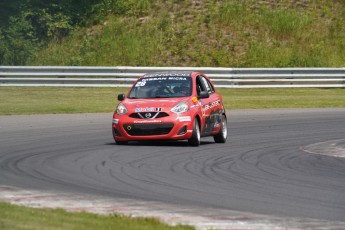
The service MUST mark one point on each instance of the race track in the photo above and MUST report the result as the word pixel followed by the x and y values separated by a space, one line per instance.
pixel 266 166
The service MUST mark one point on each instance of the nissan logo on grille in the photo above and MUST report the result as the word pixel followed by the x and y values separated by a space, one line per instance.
pixel 147 115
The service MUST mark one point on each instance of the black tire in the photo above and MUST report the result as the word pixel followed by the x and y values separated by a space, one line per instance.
pixel 223 133
pixel 196 135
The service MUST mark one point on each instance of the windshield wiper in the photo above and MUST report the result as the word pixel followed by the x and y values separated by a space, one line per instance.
pixel 162 96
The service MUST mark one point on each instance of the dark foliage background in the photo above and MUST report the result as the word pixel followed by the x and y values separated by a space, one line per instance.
pixel 27 25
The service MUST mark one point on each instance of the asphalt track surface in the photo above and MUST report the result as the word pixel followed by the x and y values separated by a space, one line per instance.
pixel 263 168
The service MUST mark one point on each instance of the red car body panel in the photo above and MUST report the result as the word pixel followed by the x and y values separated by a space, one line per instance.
pixel 152 118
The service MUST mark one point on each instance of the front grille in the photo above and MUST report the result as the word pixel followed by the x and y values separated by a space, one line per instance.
pixel 148 129
pixel 148 115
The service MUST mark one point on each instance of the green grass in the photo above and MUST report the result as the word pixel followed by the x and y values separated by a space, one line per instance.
pixel 51 100
pixel 209 33
pixel 283 98
pixel 16 217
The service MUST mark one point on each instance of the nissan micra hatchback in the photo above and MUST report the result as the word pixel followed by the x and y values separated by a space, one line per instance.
pixel 170 106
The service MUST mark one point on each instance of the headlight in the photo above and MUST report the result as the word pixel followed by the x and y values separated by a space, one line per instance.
pixel 121 109
pixel 180 108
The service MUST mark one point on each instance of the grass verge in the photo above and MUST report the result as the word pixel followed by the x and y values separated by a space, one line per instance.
pixel 53 100
pixel 18 217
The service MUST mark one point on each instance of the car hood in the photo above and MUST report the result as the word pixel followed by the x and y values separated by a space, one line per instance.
pixel 151 105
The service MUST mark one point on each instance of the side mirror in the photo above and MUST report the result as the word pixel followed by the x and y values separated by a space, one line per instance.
pixel 204 94
pixel 121 97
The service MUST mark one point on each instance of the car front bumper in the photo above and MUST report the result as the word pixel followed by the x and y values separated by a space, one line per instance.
pixel 174 127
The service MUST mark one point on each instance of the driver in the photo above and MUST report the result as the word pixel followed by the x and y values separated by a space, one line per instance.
pixel 184 89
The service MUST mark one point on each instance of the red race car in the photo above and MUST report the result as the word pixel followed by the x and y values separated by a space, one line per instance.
pixel 170 106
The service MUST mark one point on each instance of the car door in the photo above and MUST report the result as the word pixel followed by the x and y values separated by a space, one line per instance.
pixel 211 106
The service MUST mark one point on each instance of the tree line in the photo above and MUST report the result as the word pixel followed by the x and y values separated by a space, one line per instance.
pixel 27 25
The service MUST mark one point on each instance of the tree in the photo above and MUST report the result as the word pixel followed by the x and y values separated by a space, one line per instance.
pixel 26 25
pixel 8 8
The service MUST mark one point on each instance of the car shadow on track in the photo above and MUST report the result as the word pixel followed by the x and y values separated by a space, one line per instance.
pixel 161 143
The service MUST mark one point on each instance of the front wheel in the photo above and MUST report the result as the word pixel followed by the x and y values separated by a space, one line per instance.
pixel 223 133
pixel 195 139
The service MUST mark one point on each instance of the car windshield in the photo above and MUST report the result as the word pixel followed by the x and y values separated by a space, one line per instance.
pixel 162 86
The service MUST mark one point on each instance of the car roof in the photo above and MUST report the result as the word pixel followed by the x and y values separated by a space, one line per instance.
pixel 169 74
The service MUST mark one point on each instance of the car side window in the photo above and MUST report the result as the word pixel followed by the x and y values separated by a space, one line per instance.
pixel 199 85
pixel 208 85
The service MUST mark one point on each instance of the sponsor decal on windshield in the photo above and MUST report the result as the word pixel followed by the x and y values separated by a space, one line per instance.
pixel 168 75
pixel 143 81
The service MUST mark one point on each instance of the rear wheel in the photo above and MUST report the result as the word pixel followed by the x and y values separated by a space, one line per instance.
pixel 223 133
pixel 195 139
